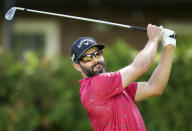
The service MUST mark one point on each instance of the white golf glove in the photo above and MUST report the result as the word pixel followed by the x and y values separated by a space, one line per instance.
pixel 166 39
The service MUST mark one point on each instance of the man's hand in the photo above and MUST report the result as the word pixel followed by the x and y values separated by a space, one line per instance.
pixel 167 40
pixel 154 33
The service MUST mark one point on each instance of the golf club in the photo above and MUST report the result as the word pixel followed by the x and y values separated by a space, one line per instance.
pixel 11 12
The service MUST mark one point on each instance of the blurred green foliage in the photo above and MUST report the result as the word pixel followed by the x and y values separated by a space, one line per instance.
pixel 35 95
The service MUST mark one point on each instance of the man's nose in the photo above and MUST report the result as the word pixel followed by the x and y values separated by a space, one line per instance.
pixel 95 59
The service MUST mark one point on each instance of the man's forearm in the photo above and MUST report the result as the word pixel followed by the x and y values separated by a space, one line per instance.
pixel 161 74
pixel 141 63
pixel 145 58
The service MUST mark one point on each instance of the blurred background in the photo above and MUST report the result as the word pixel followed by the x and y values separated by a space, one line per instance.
pixel 39 88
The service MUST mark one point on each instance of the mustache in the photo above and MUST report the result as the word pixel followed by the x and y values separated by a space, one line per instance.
pixel 98 63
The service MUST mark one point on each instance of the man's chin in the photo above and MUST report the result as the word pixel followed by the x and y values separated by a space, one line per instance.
pixel 97 72
pixel 100 71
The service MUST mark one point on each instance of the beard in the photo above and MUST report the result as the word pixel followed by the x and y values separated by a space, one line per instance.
pixel 90 71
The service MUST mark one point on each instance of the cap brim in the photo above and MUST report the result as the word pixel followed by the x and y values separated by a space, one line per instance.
pixel 99 46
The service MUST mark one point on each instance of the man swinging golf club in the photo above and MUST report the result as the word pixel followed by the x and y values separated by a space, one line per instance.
pixel 110 98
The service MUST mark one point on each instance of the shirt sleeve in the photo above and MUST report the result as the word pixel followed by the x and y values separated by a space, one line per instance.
pixel 107 85
pixel 131 90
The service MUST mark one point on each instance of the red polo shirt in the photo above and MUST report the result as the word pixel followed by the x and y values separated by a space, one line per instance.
pixel 109 106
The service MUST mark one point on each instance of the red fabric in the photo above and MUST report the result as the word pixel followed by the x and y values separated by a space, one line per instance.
pixel 109 106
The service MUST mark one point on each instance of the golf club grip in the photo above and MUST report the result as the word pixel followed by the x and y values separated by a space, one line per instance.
pixel 138 28
pixel 145 30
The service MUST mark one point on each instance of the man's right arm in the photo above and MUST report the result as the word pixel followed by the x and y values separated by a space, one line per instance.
pixel 144 59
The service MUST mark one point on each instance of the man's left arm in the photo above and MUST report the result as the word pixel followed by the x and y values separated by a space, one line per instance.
pixel 158 81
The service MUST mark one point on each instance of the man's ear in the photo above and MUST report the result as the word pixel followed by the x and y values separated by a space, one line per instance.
pixel 77 66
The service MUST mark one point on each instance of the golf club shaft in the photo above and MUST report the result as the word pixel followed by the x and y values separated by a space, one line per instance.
pixel 86 19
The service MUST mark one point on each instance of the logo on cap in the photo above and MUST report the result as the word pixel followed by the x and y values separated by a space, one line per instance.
pixel 85 42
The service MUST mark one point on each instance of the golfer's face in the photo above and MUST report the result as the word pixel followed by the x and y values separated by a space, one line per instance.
pixel 92 62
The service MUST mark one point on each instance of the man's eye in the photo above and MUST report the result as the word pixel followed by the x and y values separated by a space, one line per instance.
pixel 87 58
